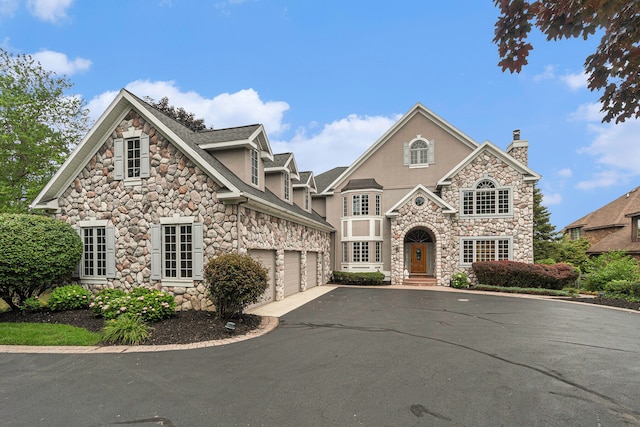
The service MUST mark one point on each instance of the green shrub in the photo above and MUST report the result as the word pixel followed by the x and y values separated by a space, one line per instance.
pixel 610 266
pixel 523 275
pixel 125 329
pixel 70 297
pixel 149 305
pixel 460 281
pixel 353 278
pixel 234 281
pixel 37 253
pixel 32 304
pixel 103 298
pixel 623 289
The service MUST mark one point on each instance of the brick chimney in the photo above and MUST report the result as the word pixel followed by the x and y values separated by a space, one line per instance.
pixel 519 148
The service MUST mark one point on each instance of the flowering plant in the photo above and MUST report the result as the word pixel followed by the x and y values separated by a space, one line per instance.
pixel 149 305
pixel 70 297
pixel 460 281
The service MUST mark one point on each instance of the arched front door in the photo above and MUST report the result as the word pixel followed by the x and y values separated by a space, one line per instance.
pixel 419 250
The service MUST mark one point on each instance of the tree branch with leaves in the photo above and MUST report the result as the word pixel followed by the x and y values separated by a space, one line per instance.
pixel 39 124
pixel 613 68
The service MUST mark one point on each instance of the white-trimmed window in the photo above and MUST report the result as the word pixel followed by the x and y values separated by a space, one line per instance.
pixel 98 250
pixel 356 252
pixel 485 249
pixel 419 152
pixel 307 196
pixel 345 252
pixel 377 204
pixel 345 206
pixel 486 199
pixel 378 257
pixel 356 205
pixel 177 250
pixel 287 185
pixel 254 167
pixel 364 209
pixel 131 157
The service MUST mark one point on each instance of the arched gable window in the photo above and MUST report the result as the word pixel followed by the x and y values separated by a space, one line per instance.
pixel 419 152
pixel 486 198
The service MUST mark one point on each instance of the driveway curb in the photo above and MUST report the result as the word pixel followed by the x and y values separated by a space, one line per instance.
pixel 267 325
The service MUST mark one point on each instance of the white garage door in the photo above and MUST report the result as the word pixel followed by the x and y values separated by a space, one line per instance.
pixel 291 272
pixel 312 269
pixel 268 260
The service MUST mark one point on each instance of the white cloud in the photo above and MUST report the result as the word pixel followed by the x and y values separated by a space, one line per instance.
pixel 60 63
pixel 547 74
pixel 8 7
pixel 587 112
pixel 49 10
pixel 575 81
pixel 225 110
pixel 339 143
pixel 316 147
pixel 565 173
pixel 616 152
pixel 549 199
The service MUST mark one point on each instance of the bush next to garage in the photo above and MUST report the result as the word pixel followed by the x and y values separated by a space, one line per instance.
pixel 611 266
pixel 234 281
pixel 37 254
pixel 351 278
pixel 518 274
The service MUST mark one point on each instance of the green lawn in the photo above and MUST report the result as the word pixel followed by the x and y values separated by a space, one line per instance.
pixel 46 334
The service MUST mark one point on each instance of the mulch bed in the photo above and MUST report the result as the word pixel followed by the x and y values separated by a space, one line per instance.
pixel 612 302
pixel 183 328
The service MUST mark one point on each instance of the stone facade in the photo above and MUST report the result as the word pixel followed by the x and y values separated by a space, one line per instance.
pixel 447 229
pixel 175 187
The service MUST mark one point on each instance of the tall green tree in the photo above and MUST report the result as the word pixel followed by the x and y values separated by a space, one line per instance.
pixel 39 123
pixel 612 68
pixel 545 236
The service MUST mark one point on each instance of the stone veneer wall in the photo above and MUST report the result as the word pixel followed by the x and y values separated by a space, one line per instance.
pixel 447 229
pixel 175 186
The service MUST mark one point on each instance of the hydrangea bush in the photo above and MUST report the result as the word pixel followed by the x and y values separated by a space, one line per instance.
pixel 70 297
pixel 150 305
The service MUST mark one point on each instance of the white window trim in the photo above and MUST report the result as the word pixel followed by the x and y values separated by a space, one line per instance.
pixel 110 251
pixel 176 219
pixel 255 177
pixel 482 238
pixel 497 188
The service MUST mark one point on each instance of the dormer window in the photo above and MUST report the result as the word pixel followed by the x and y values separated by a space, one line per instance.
pixel 419 152
pixel 575 233
pixel 635 229
pixel 254 167
pixel 287 183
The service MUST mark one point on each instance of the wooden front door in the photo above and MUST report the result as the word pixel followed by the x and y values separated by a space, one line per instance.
pixel 418 258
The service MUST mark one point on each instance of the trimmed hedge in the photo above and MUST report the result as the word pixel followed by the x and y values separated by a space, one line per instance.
pixel 523 275
pixel 234 281
pixel 36 254
pixel 351 278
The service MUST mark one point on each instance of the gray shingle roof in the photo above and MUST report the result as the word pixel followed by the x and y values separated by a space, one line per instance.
pixel 189 138
pixel 279 160
pixel 326 178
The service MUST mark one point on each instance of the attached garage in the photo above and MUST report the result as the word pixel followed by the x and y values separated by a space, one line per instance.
pixel 268 260
pixel 291 272
pixel 312 269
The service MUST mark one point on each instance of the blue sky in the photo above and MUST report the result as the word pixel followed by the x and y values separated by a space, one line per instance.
pixel 327 78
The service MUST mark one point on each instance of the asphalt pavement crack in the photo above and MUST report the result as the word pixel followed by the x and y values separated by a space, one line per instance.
pixel 627 414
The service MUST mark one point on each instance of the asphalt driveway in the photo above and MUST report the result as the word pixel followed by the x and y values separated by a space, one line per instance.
pixel 375 357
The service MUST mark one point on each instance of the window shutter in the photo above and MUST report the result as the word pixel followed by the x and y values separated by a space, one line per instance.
pixel 407 156
pixel 76 272
pixel 110 234
pixel 431 152
pixel 156 252
pixel 118 159
pixel 198 251
pixel 144 156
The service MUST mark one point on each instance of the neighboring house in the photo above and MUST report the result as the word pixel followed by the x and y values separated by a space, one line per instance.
pixel 613 227
pixel 154 201
pixel 426 201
